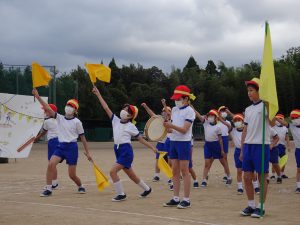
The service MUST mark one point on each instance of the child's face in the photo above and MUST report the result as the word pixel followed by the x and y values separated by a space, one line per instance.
pixel 253 94
pixel 126 108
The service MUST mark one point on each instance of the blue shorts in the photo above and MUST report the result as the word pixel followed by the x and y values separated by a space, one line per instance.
pixel 180 150
pixel 167 145
pixel 297 156
pixel 252 158
pixel 225 143
pixel 67 151
pixel 274 155
pixel 124 155
pixel 238 162
pixel 281 150
pixel 212 150
pixel 52 146
pixel 160 147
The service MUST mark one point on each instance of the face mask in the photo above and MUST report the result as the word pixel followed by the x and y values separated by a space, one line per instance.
pixel 224 114
pixel 277 123
pixel 179 103
pixel 124 114
pixel 211 119
pixel 296 122
pixel 69 110
pixel 238 124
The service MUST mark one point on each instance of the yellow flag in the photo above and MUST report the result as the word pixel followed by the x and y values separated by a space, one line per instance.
pixel 282 161
pixel 164 166
pixel 99 71
pixel 40 76
pixel 101 180
pixel 267 88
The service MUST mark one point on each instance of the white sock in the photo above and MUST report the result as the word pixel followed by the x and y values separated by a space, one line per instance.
pixel 186 199
pixel 251 203
pixel 281 173
pixel 259 205
pixel 240 185
pixel 54 182
pixel 144 186
pixel 298 184
pixel 49 187
pixel 176 198
pixel 255 184
pixel 156 174
pixel 228 177
pixel 119 188
pixel 273 174
pixel 204 180
pixel 195 181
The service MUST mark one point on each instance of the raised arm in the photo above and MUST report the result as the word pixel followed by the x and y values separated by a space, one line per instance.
pixel 149 111
pixel 45 105
pixel 228 125
pixel 230 113
pixel 198 115
pixel 102 102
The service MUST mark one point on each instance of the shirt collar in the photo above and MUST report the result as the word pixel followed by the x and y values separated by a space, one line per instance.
pixel 70 118
pixel 256 103
pixel 183 107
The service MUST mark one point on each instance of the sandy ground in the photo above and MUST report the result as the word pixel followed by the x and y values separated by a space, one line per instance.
pixel 22 181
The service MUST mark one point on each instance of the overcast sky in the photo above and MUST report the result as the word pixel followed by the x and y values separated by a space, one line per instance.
pixel 161 33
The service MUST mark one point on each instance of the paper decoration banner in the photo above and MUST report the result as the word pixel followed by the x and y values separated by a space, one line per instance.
pixel 20 121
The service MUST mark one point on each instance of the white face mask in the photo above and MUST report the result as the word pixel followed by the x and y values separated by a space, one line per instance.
pixel 224 114
pixel 277 123
pixel 69 110
pixel 238 124
pixel 179 103
pixel 211 119
pixel 296 122
pixel 124 114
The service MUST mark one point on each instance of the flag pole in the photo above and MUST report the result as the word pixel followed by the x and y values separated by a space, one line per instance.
pixel 262 180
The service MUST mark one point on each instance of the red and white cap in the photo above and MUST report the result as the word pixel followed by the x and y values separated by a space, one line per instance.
pixel 73 103
pixel 182 91
pixel 238 116
pixel 213 112
pixel 134 111
pixel 254 82
pixel 280 116
pixel 295 114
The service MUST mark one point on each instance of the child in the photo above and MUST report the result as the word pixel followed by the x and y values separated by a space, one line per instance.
pixel 295 130
pixel 183 117
pixel 284 141
pixel 274 154
pixel 123 130
pixel 251 153
pixel 213 147
pixel 69 129
pixel 225 128
pixel 50 128
pixel 236 135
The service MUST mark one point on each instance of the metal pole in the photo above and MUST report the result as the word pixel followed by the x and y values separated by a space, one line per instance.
pixel 54 86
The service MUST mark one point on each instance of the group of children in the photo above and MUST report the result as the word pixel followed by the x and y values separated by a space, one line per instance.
pixel 245 131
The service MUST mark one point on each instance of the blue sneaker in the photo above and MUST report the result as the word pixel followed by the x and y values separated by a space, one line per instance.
pixel 240 191
pixel 171 203
pixel 54 186
pixel 145 193
pixel 196 185
pixel 119 198
pixel 81 190
pixel 257 190
pixel 171 187
pixel 184 205
pixel 297 191
pixel 204 184
pixel 256 213
pixel 247 211
pixel 46 193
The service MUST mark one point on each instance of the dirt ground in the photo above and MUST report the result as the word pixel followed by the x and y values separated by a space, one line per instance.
pixel 22 181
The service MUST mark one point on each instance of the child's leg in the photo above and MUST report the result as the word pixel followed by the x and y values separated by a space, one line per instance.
pixel 51 170
pixel 207 165
pixel 176 176
pixel 184 169
pixel 73 176
pixel 248 177
pixel 276 168
pixel 114 172
pixel 224 163
pixel 193 174
pixel 266 185
pixel 131 174
pixel 239 175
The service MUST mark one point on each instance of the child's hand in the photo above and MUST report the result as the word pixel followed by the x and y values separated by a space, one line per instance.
pixel 163 101
pixel 35 92
pixel 144 104
pixel 167 125
pixel 95 90
pixel 88 156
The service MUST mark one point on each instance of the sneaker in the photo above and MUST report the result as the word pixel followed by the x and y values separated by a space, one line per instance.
pixel 196 185
pixel 184 205
pixel 145 193
pixel 247 211
pixel 225 179
pixel 203 184
pixel 240 191
pixel 279 180
pixel 81 190
pixel 272 177
pixel 256 213
pixel 297 191
pixel 257 190
pixel 155 179
pixel 46 193
pixel 171 187
pixel 119 198
pixel 54 186
pixel 171 203
pixel 169 182
pixel 228 182
pixel 284 176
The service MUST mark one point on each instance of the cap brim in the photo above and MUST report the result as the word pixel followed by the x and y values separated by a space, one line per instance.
pixel 176 96
pixel 251 82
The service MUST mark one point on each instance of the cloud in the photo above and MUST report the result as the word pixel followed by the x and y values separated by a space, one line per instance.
pixel 159 33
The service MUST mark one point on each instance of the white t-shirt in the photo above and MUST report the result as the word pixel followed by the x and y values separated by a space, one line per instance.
pixel 50 125
pixel 281 132
pixel 179 117
pixel 211 132
pixel 68 129
pixel 123 131
pixel 295 130
pixel 253 120
pixel 224 128
pixel 236 136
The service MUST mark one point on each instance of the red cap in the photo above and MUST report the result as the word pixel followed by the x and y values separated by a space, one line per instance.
pixel 280 116
pixel 238 116
pixel 181 91
pixel 73 103
pixel 134 111
pixel 213 112
pixel 254 82
pixel 295 114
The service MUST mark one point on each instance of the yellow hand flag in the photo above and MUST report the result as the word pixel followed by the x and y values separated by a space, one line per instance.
pixel 164 166
pixel 99 71
pixel 40 76
pixel 267 88
pixel 282 161
pixel 101 180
